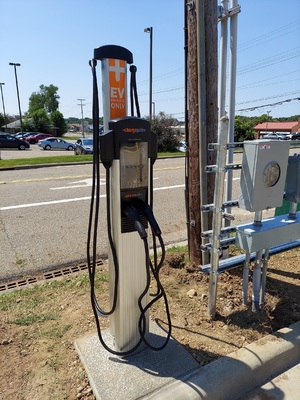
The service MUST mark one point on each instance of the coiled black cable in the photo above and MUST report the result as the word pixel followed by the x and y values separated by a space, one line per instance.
pixel 134 214
pixel 93 225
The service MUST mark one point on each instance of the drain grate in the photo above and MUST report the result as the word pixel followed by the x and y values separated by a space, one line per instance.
pixel 46 276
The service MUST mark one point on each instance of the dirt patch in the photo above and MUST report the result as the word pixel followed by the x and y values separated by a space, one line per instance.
pixel 39 324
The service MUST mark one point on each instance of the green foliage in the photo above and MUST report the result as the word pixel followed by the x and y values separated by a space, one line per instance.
pixel 46 98
pixel 168 138
pixel 58 121
pixel 40 120
pixel 243 129
pixel 74 120
pixel 243 126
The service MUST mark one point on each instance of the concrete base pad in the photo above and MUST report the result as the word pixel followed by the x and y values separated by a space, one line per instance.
pixel 135 376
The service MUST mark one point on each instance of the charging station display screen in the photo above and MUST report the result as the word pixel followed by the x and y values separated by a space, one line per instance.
pixel 134 165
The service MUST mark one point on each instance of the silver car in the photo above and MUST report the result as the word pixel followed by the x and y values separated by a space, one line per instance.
pixel 55 144
pixel 84 146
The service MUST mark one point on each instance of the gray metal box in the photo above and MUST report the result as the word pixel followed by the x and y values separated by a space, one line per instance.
pixel 292 189
pixel 273 232
pixel 263 174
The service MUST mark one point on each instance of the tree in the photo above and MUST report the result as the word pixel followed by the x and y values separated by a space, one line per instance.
pixel 46 98
pixel 58 121
pixel 243 128
pixel 40 120
pixel 167 137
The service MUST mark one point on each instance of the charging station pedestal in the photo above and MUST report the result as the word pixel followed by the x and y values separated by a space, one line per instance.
pixel 130 148
pixel 126 146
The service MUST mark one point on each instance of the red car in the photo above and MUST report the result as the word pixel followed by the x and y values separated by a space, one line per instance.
pixel 34 138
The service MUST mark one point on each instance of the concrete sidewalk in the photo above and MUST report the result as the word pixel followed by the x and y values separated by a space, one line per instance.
pixel 268 368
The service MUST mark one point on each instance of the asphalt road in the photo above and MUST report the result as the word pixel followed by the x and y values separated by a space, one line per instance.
pixel 44 214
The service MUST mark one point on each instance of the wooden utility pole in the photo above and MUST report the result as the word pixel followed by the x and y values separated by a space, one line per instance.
pixel 202 78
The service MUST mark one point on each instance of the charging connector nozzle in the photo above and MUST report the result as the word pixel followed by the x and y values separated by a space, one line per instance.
pixel 146 210
pixel 131 212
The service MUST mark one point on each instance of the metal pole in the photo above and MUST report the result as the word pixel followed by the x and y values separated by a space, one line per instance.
pixel 264 278
pixel 232 90
pixel 4 115
pixel 150 30
pixel 153 104
pixel 246 278
pixel 256 281
pixel 18 95
pixel 82 121
pixel 217 214
pixel 223 58
pixel 293 210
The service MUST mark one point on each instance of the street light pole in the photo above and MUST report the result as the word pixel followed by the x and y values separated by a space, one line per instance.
pixel 150 30
pixel 18 65
pixel 82 121
pixel 153 104
pixel 4 115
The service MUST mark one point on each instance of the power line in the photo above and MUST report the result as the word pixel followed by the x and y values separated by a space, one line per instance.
pixel 278 58
pixel 269 105
pixel 280 31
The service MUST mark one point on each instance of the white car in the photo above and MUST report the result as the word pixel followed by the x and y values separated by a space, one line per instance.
pixel 55 144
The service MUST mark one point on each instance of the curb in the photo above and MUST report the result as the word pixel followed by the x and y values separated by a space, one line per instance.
pixel 240 372
pixel 33 166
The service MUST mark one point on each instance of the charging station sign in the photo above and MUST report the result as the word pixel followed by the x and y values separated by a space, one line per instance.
pixel 114 89
pixel 117 85
pixel 114 60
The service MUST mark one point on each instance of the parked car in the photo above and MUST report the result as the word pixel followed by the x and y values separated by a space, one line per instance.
pixel 55 144
pixel 11 142
pixel 35 137
pixel 275 136
pixel 296 136
pixel 84 146
pixel 24 135
pixel 182 146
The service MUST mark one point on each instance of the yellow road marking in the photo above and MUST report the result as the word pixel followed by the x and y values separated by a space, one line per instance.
pixel 57 178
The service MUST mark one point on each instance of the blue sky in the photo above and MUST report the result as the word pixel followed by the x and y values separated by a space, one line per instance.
pixel 53 40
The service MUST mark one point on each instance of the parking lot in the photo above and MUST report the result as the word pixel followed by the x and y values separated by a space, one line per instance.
pixel 34 151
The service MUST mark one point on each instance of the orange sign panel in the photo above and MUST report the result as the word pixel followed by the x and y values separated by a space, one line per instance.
pixel 117 88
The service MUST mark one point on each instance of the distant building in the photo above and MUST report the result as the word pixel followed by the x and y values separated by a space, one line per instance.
pixel 281 127
pixel 12 127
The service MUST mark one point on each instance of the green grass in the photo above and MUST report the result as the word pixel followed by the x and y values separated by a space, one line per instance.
pixel 30 319
pixel 44 160
pixel 63 159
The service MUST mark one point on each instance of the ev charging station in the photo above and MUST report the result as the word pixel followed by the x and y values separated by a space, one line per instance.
pixel 128 150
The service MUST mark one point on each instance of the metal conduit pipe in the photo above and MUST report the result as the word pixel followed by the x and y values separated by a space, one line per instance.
pixel 238 261
pixel 264 278
pixel 256 274
pixel 246 277
pixel 217 216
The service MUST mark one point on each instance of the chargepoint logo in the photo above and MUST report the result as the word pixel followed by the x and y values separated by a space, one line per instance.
pixel 117 85
pixel 134 130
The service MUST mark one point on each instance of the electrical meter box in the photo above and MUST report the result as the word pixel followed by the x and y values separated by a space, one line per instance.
pixel 263 174
pixel 292 189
